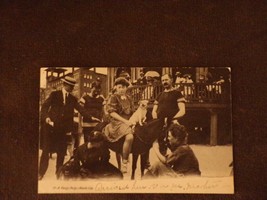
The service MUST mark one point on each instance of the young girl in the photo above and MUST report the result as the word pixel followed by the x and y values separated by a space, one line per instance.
pixel 120 108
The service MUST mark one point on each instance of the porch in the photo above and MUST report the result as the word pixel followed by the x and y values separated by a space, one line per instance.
pixel 213 98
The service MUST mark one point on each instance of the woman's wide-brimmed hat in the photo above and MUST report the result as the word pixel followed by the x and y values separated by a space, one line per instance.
pixel 121 81
pixel 69 80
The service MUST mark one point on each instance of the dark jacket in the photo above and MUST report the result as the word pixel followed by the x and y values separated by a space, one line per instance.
pixel 183 160
pixel 62 116
pixel 91 157
pixel 92 162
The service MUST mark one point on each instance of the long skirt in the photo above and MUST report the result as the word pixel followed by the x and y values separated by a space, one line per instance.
pixel 162 170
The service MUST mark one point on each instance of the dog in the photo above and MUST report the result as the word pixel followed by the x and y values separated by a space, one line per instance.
pixel 139 116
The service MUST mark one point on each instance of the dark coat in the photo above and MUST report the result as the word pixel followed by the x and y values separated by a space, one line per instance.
pixel 62 116
pixel 92 163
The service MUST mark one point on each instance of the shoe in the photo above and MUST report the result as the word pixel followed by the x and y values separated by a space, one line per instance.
pixel 124 167
pixel 40 177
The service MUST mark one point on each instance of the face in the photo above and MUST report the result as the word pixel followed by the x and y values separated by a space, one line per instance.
pixel 143 104
pixel 150 81
pixel 91 145
pixel 166 81
pixel 68 88
pixel 172 140
pixel 121 89
pixel 95 91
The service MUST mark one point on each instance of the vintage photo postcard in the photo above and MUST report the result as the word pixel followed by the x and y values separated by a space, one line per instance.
pixel 135 130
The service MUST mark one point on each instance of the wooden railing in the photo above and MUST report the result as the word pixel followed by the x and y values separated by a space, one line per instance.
pixel 193 92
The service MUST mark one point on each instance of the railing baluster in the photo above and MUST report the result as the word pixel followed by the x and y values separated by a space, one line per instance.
pixel 193 92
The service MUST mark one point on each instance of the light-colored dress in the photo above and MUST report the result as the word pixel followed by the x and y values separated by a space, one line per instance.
pixel 124 107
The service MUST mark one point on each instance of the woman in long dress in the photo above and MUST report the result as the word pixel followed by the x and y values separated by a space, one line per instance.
pixel 120 108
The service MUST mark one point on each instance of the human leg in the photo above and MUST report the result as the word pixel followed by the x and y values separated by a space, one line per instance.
pixel 118 158
pixel 44 161
pixel 159 169
pixel 126 150
pixel 61 152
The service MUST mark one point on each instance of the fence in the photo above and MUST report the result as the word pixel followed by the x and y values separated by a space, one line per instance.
pixel 193 92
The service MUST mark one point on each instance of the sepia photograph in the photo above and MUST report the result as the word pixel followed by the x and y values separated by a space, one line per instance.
pixel 135 130
pixel 133 100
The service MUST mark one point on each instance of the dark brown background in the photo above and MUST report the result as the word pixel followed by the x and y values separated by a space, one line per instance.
pixel 136 33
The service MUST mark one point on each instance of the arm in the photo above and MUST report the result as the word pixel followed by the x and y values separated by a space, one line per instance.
pixel 45 108
pixel 80 107
pixel 154 111
pixel 82 110
pixel 157 152
pixel 75 161
pixel 106 154
pixel 181 106
pixel 181 111
pixel 176 156
pixel 155 107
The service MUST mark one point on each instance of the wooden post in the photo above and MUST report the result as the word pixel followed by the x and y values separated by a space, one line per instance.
pixel 213 127
pixel 80 93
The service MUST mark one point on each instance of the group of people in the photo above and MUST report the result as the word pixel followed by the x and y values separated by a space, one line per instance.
pixel 57 121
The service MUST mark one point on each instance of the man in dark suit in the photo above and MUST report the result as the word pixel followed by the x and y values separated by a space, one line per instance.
pixel 56 122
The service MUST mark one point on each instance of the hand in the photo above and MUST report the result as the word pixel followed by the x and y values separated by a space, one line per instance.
pixel 96 119
pixel 48 121
pixel 175 121
pixel 154 115
pixel 129 123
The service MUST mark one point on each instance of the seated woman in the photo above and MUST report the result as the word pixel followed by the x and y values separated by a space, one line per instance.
pixel 180 162
pixel 91 160
pixel 120 108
